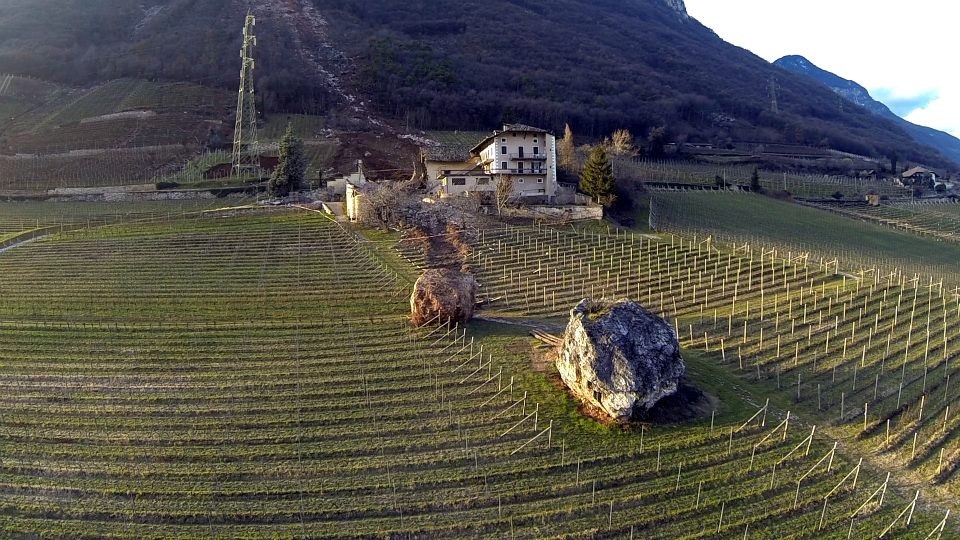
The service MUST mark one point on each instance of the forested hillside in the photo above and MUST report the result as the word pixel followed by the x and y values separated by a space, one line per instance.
pixel 599 64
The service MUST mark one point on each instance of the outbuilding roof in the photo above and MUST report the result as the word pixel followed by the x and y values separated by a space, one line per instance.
pixel 915 171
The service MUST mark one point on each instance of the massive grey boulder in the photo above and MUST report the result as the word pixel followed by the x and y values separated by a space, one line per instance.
pixel 443 294
pixel 619 357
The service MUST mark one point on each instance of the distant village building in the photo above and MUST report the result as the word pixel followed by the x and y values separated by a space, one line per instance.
pixel 339 185
pixel 919 176
pixel 523 155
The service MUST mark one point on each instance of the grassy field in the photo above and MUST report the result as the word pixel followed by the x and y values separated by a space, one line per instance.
pixel 763 221
pixel 251 374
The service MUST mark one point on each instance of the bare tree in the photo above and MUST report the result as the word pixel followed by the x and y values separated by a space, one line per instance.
pixel 504 193
pixel 384 204
pixel 621 143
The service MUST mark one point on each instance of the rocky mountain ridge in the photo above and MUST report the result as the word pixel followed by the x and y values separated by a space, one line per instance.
pixel 855 93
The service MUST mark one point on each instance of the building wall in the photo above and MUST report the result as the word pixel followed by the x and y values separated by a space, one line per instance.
pixel 353 202
pixel 563 213
pixel 339 186
pixel 435 167
pixel 497 162
pixel 450 186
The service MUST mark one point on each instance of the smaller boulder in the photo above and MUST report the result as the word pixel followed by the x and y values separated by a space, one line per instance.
pixel 443 293
pixel 620 358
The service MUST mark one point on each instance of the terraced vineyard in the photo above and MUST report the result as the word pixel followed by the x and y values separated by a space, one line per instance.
pixel 874 354
pixel 252 375
pixel 69 106
pixel 17 218
pixel 120 133
pixel 122 167
pixel 706 175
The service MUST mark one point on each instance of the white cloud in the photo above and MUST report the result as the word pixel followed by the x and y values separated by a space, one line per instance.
pixel 941 113
pixel 905 48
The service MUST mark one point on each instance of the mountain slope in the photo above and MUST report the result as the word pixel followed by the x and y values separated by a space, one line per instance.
pixel 83 42
pixel 947 144
pixel 597 64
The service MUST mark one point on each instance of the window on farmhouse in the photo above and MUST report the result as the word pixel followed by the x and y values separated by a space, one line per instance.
pixel 539 180
pixel 503 166
pixel 483 181
pixel 503 150
pixel 459 181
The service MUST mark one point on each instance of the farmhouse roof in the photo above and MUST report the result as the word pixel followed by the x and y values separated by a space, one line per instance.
pixel 915 171
pixel 507 128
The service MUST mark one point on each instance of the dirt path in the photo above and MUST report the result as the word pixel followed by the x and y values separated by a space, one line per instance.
pixel 22 243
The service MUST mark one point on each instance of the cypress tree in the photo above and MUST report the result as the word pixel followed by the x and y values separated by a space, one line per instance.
pixel 596 180
pixel 568 150
pixel 291 168
pixel 755 181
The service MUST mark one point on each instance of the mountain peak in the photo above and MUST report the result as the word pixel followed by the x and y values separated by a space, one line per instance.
pixel 846 88
pixel 855 93
pixel 796 61
pixel 679 7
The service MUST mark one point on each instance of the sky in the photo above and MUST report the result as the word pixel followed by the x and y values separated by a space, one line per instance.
pixel 904 53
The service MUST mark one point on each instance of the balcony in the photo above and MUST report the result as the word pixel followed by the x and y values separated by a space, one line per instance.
pixel 528 157
pixel 526 170
pixel 463 172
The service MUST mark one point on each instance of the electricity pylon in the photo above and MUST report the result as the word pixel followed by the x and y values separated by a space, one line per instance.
pixel 246 151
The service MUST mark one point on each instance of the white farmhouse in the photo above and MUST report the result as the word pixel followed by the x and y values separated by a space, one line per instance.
pixel 524 156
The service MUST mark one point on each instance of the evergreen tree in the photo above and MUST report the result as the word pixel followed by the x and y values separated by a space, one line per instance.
pixel 755 181
pixel 596 180
pixel 292 166
pixel 567 150
pixel 657 142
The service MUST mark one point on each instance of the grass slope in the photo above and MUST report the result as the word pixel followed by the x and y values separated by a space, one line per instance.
pixel 770 222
